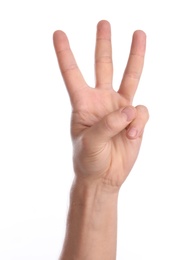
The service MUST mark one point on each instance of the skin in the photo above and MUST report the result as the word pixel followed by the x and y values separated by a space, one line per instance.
pixel 106 131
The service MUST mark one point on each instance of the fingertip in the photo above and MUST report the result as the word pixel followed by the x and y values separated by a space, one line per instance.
pixel 103 30
pixel 140 33
pixel 58 34
pixel 103 23
pixel 60 40
pixel 132 133
pixel 139 43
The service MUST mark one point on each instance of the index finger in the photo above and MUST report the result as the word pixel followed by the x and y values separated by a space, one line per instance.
pixel 70 72
pixel 134 66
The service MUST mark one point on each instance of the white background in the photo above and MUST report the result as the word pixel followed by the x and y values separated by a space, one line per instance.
pixel 35 146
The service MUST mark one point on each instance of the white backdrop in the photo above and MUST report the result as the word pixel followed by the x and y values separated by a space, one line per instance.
pixel 35 146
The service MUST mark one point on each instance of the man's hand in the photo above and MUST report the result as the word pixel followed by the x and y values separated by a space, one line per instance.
pixel 107 133
pixel 106 129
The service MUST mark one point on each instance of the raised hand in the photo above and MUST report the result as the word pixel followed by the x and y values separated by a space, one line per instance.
pixel 106 129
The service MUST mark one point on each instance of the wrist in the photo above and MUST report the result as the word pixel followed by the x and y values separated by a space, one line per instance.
pixel 92 222
pixel 87 192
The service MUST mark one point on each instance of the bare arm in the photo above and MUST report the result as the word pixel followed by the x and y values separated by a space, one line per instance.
pixel 91 224
pixel 106 133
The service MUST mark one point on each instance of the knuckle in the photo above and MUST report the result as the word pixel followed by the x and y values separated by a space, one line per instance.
pixel 104 59
pixel 133 75
pixel 69 68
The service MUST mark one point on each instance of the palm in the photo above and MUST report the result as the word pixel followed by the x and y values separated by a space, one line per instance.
pixel 86 113
pixel 91 105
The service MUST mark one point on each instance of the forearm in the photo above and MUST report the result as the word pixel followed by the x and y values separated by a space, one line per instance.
pixel 91 232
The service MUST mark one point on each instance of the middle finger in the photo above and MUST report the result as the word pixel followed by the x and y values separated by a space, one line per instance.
pixel 103 56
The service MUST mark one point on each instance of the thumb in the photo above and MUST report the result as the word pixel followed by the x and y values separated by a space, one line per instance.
pixel 112 124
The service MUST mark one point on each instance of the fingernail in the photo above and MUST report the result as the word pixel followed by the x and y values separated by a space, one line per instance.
pixel 132 132
pixel 130 113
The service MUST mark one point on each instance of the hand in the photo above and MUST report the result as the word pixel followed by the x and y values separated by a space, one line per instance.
pixel 106 129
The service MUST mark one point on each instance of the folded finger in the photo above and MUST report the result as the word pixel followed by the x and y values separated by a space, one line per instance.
pixel 136 127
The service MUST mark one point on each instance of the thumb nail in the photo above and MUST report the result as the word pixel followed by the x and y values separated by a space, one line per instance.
pixel 129 112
